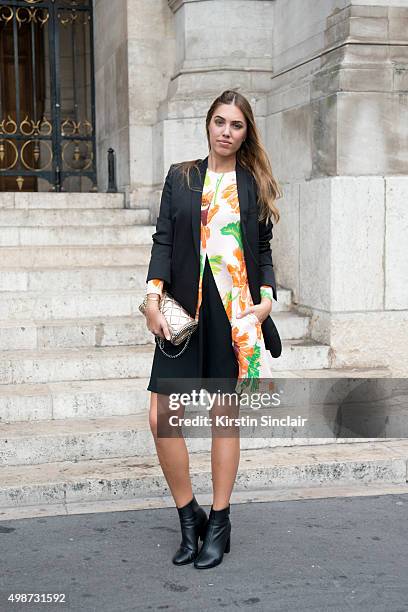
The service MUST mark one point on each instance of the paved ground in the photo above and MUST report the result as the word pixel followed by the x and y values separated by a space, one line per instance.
pixel 335 554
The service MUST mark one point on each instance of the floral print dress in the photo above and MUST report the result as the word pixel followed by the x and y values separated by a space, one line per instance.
pixel 221 243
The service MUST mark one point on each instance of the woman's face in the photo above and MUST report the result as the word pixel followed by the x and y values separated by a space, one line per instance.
pixel 227 129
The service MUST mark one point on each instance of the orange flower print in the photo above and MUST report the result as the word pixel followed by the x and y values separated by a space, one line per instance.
pixel 213 210
pixel 238 273
pixel 240 278
pixel 205 234
pixel 157 282
pixel 241 349
pixel 207 198
pixel 258 330
pixel 207 213
pixel 245 298
pixel 228 304
pixel 230 194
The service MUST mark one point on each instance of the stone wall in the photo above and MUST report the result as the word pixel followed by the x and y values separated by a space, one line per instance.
pixel 337 121
pixel 220 45
pixel 111 88
pixel 151 64
pixel 134 46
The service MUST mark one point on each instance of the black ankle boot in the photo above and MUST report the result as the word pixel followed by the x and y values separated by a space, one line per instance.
pixel 193 521
pixel 217 539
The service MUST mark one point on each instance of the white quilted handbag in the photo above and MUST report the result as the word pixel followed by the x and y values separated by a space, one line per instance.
pixel 180 323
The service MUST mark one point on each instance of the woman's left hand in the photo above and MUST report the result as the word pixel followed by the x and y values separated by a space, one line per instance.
pixel 261 311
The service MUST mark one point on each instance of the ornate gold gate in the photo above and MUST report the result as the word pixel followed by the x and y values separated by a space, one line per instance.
pixel 47 96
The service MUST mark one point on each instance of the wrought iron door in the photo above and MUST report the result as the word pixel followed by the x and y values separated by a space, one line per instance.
pixel 47 96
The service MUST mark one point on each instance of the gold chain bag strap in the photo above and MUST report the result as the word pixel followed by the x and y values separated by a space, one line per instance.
pixel 180 323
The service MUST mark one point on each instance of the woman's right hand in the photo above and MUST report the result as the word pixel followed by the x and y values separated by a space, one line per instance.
pixel 156 322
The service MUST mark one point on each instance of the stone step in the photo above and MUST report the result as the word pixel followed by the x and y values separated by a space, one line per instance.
pixel 75 439
pixel 74 333
pixel 22 305
pixel 266 494
pixel 34 442
pixel 100 331
pixel 50 217
pixel 64 483
pixel 30 200
pixel 290 325
pixel 81 256
pixel 303 353
pixel 71 400
pixel 99 398
pixel 284 302
pixel 29 305
pixel 18 367
pixel 74 278
pixel 76 235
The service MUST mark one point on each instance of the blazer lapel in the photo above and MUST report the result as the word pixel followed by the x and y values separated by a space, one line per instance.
pixel 196 195
pixel 242 188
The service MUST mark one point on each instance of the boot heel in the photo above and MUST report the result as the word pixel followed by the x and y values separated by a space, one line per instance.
pixel 217 539
pixel 228 545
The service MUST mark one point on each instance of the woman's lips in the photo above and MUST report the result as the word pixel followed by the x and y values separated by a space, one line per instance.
pixel 224 144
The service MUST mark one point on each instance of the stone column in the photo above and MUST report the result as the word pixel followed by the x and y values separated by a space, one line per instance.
pixel 337 128
pixel 134 46
pixel 219 45
pixel 159 65
pixel 112 88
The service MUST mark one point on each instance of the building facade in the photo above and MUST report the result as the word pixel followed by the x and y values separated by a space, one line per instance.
pixel 328 81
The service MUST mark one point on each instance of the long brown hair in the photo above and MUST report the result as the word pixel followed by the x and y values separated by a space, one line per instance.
pixel 251 155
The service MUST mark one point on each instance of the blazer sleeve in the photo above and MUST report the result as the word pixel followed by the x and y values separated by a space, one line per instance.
pixel 160 258
pixel 266 271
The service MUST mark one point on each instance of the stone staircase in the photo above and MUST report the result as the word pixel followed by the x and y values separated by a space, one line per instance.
pixel 75 354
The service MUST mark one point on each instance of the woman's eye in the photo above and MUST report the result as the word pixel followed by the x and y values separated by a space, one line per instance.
pixel 236 126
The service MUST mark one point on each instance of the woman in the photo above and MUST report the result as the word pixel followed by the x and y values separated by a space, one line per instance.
pixel 211 252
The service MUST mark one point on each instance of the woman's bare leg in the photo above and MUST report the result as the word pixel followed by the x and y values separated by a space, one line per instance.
pixel 173 457
pixel 225 455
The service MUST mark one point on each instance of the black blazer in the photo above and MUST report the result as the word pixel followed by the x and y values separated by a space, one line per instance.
pixel 175 252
